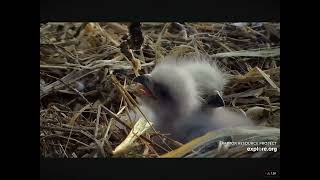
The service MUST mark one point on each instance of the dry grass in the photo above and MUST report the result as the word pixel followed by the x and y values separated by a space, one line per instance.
pixel 85 70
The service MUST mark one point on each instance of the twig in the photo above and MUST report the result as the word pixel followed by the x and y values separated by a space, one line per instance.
pixel 72 139
pixel 79 93
pixel 267 78
pixel 104 139
pixel 97 121
pixel 125 125
pixel 249 53
pixel 64 152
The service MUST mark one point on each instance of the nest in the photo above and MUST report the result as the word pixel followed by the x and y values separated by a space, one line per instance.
pixel 86 69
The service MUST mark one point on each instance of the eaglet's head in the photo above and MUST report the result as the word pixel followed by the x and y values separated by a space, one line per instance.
pixel 168 91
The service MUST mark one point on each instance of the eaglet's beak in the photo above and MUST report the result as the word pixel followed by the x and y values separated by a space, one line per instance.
pixel 143 85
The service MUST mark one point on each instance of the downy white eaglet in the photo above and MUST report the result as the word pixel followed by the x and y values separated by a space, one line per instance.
pixel 183 98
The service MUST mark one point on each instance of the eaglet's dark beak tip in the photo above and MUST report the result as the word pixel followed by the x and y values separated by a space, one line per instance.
pixel 216 101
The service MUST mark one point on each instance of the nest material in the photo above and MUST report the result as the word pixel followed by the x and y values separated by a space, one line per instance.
pixel 85 70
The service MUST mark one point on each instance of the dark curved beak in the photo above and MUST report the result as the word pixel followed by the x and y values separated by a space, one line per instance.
pixel 143 79
pixel 215 101
pixel 146 84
